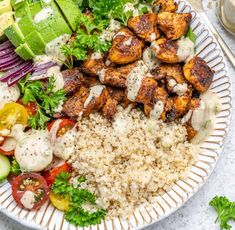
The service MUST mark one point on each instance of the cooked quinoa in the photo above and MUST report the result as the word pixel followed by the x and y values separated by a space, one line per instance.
pixel 132 159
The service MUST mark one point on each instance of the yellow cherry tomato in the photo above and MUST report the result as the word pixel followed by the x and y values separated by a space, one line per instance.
pixel 61 203
pixel 11 114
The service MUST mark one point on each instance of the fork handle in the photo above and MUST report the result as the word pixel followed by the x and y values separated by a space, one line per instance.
pixel 221 41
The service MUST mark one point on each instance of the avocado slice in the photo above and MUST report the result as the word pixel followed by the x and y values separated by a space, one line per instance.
pixel 5 6
pixel 70 10
pixel 26 24
pixel 25 52
pixel 6 20
pixel 14 34
pixel 35 42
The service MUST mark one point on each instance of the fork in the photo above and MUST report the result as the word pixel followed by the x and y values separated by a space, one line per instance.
pixel 198 6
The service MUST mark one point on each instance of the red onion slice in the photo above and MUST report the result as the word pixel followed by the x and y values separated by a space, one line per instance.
pixel 13 80
pixel 44 66
pixel 11 66
pixel 8 58
pixel 5 45
pixel 7 52
pixel 15 71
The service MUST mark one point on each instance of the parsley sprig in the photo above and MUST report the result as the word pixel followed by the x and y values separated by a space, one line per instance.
pixel 15 167
pixel 225 209
pixel 76 214
pixel 45 97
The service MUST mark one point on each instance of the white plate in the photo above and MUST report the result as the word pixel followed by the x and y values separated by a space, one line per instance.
pixel 207 48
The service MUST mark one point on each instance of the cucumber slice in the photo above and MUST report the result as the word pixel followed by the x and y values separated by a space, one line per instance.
pixel 5 167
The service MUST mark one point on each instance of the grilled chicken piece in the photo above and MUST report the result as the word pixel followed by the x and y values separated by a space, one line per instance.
pixel 83 103
pixel 159 95
pixel 194 104
pixel 174 25
pixel 174 71
pixel 166 50
pixel 179 108
pixel 73 80
pixel 145 26
pixel 110 107
pixel 166 5
pixel 93 65
pixel 147 89
pixel 116 76
pixel 91 81
pixel 199 74
pixel 126 47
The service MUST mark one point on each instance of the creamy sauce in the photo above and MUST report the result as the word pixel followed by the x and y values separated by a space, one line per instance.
pixel 134 80
pixel 33 150
pixel 228 16
pixel 43 14
pixel 101 75
pixel 8 94
pixel 28 199
pixel 130 7
pixel 187 117
pixel 157 111
pixel 204 117
pixel 128 42
pixel 111 30
pixel 9 144
pixel 180 89
pixel 185 49
pixel 64 146
pixel 150 59
pixel 153 37
pixel 96 56
pixel 95 92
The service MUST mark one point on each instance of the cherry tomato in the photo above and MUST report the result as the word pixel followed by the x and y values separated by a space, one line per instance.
pixel 11 177
pixel 7 148
pixel 61 203
pixel 2 139
pixel 11 114
pixel 52 174
pixel 31 107
pixel 30 183
pixel 65 126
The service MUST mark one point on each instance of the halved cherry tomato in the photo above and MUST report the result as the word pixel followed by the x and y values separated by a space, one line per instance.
pixel 31 107
pixel 2 139
pixel 61 203
pixel 65 126
pixel 11 177
pixel 11 114
pixel 53 173
pixel 32 183
pixel 7 148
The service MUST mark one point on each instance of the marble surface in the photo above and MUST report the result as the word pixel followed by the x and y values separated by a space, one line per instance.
pixel 196 214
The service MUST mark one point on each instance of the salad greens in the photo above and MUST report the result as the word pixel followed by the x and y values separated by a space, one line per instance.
pixel 225 209
pixel 45 97
pixel 76 214
pixel 15 167
pixel 191 35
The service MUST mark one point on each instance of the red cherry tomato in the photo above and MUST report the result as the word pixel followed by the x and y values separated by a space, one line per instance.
pixel 31 107
pixel 30 182
pixel 65 126
pixel 53 173
pixel 11 177
pixel 11 143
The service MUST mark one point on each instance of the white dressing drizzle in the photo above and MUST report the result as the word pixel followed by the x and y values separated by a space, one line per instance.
pixel 134 80
pixel 95 92
pixel 185 49
pixel 43 14
pixel 157 110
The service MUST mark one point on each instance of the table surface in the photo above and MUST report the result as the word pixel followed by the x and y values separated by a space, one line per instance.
pixel 196 214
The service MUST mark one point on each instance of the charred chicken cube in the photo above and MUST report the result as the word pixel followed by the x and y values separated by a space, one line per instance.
pixel 93 64
pixel 174 25
pixel 73 80
pixel 126 47
pixel 166 5
pixel 116 76
pixel 179 108
pixel 169 51
pixel 86 101
pixel 199 74
pixel 145 26
pixel 146 91
pixel 165 50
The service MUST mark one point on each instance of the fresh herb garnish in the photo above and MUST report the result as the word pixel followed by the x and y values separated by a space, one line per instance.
pixel 87 38
pixel 76 214
pixel 15 167
pixel 45 97
pixel 191 35
pixel 225 209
